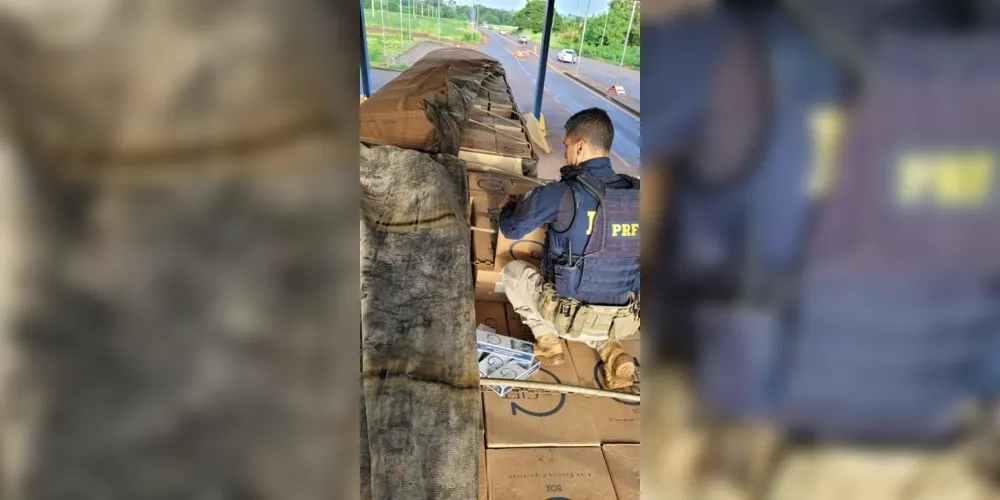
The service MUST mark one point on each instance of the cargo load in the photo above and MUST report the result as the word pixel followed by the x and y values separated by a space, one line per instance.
pixel 455 101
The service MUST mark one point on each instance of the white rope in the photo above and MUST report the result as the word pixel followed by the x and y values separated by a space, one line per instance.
pixel 551 387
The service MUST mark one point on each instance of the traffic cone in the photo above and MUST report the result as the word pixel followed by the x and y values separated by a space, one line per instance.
pixel 535 49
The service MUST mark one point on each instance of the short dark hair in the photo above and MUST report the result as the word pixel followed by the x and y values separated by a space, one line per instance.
pixel 592 125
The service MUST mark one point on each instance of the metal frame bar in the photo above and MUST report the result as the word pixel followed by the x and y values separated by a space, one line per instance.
pixel 366 83
pixel 543 57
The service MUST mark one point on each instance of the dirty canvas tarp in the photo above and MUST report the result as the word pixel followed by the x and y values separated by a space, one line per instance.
pixel 183 333
pixel 424 107
pixel 420 377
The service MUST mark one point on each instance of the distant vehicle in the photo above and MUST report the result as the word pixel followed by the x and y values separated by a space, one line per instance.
pixel 567 56
pixel 522 39
pixel 486 26
pixel 502 32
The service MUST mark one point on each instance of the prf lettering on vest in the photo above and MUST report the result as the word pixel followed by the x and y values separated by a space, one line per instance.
pixel 624 230
pixel 826 123
pixel 955 179
pixel 591 214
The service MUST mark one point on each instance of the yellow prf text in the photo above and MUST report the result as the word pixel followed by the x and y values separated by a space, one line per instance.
pixel 624 230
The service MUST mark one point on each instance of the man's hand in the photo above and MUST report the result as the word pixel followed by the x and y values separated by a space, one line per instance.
pixel 508 200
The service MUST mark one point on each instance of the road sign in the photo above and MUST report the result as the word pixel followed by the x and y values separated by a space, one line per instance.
pixel 617 89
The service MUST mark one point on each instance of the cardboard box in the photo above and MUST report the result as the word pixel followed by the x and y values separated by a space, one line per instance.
pixel 502 345
pixel 511 369
pixel 548 473
pixel 489 286
pixel 482 415
pixel 508 163
pixel 484 183
pixel 507 147
pixel 623 466
pixel 486 207
pixel 483 243
pixel 527 248
pixel 483 477
pixel 479 140
pixel 616 421
pixel 510 125
pixel 534 418
pixel 515 327
pixel 493 315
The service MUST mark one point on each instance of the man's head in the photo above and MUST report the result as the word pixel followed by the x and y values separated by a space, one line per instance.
pixel 588 135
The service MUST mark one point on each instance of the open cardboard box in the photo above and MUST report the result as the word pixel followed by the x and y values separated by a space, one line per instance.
pixel 538 419
pixel 616 421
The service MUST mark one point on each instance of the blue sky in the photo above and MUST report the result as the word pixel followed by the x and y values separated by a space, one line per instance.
pixel 562 6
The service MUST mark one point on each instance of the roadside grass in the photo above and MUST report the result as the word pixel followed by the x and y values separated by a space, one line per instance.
pixel 415 29
pixel 451 29
pixel 387 57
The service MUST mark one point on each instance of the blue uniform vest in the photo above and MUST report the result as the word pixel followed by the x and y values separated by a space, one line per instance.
pixel 898 323
pixel 605 269
pixel 876 314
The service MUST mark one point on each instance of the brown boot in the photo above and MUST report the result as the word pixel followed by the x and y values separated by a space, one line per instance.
pixel 549 350
pixel 619 366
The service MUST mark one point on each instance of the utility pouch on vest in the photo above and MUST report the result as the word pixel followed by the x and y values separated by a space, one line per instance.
pixel 558 310
pixel 738 352
pixel 579 321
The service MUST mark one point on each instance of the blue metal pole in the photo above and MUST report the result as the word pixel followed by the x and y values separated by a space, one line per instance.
pixel 543 57
pixel 366 84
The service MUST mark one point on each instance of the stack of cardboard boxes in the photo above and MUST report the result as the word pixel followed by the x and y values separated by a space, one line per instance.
pixel 494 134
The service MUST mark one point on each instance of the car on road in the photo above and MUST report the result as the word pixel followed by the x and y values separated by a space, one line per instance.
pixel 502 32
pixel 567 56
pixel 522 40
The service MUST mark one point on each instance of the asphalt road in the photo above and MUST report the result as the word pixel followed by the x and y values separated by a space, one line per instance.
pixel 562 97
pixel 601 71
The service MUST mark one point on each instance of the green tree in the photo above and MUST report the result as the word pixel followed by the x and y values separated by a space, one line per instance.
pixel 619 12
pixel 532 17
pixel 491 15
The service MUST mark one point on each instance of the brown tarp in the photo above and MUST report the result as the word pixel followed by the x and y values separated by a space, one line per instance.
pixel 419 367
pixel 425 106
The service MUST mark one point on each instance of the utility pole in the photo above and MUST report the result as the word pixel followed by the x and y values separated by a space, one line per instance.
pixel 439 20
pixel 625 47
pixel 583 36
pixel 385 51
pixel 402 32
pixel 607 15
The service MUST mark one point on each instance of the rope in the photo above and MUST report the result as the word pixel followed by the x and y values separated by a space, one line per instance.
pixel 551 387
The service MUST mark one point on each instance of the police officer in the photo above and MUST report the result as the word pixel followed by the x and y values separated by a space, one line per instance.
pixel 587 289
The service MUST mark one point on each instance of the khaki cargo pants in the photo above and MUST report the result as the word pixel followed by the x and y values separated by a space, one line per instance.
pixel 525 289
